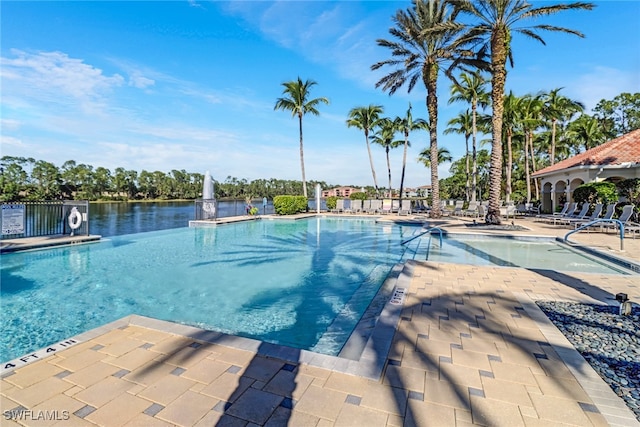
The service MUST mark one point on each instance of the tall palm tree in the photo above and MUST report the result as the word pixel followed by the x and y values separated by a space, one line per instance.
pixel 472 89
pixel 530 120
pixel 385 136
pixel 366 118
pixel 406 125
pixel 510 123
pixel 557 108
pixel 463 125
pixel 297 101
pixel 496 22
pixel 425 41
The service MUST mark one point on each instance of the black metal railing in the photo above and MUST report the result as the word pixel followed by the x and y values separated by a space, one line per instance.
pixel 44 218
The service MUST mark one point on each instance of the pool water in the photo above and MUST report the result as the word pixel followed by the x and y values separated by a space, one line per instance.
pixel 285 282
pixel 505 251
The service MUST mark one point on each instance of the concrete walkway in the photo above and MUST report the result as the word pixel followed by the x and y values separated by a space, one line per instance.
pixel 471 348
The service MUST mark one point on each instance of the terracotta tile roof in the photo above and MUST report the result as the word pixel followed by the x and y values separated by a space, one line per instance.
pixel 624 149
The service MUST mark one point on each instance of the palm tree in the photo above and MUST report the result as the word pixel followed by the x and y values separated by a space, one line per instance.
pixel 443 156
pixel 510 123
pixel 472 90
pixel 463 125
pixel 498 21
pixel 585 131
pixel 426 40
pixel 366 118
pixel 384 136
pixel 406 125
pixel 296 100
pixel 530 120
pixel 557 107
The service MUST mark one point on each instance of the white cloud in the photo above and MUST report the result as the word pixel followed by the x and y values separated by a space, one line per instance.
pixel 602 83
pixel 51 74
pixel 10 140
pixel 9 124
pixel 137 80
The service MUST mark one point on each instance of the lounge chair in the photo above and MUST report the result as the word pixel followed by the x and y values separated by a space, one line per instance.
pixel 457 210
pixel 508 211
pixel 625 216
pixel 356 206
pixel 472 209
pixel 597 210
pixel 366 206
pixel 567 211
pixel 375 207
pixel 387 206
pixel 582 214
pixel 339 206
pixel 611 210
pixel 405 209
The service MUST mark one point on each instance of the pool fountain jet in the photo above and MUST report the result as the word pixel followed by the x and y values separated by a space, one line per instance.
pixel 208 198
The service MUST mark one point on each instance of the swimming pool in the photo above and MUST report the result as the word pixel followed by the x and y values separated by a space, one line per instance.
pixel 286 282
pixel 509 251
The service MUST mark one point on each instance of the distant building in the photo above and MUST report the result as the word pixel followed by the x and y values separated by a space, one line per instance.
pixel 344 192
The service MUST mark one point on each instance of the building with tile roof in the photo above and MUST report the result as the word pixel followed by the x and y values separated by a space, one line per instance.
pixel 613 161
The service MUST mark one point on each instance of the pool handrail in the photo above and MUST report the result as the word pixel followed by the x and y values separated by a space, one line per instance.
pixel 428 230
pixel 589 224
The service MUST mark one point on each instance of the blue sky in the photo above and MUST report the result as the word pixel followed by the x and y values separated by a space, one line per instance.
pixel 192 85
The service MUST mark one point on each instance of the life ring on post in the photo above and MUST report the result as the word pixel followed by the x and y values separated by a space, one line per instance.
pixel 75 219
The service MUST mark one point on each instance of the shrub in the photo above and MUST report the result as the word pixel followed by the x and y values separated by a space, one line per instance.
pixel 596 192
pixel 289 205
pixel 358 196
pixel 332 202
pixel 630 189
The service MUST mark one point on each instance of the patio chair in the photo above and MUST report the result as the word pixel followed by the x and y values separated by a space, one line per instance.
pixel 366 206
pixel 611 209
pixel 339 206
pixel 582 215
pixel 567 210
pixel 405 209
pixel 472 209
pixel 375 207
pixel 356 206
pixel 386 206
pixel 457 210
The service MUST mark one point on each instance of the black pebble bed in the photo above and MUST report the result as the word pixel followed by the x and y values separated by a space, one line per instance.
pixel 608 341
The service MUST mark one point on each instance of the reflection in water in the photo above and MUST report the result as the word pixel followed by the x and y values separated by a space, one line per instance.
pixel 116 219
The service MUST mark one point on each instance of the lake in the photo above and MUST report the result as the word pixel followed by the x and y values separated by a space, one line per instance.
pixel 116 219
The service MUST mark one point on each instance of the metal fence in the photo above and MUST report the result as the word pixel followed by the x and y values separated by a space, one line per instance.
pixel 45 218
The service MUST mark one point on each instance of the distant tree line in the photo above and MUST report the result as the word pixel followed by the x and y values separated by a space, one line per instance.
pixel 24 179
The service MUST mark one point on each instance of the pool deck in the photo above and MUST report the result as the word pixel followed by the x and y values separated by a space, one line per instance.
pixel 471 348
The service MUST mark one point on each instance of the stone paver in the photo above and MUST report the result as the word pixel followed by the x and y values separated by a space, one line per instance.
pixel 470 349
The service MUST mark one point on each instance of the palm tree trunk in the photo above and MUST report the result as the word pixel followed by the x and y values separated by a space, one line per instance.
pixel 474 184
pixel 553 142
pixel 467 186
pixel 498 77
pixel 373 171
pixel 389 169
pixel 432 107
pixel 526 165
pixel 533 167
pixel 508 189
pixel 304 180
pixel 404 163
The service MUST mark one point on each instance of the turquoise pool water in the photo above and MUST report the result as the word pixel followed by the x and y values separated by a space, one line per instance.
pixel 505 251
pixel 285 282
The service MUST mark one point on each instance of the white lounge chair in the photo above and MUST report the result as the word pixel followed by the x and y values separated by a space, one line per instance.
pixel 405 209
